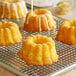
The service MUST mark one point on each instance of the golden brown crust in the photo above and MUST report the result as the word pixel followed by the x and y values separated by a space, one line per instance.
pixel 38 50
pixel 67 32
pixel 9 34
pixel 12 13
pixel 33 24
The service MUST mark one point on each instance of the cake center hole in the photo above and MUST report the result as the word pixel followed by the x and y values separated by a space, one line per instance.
pixel 40 12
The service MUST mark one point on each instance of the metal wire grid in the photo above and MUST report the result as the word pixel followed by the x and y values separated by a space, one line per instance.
pixel 67 57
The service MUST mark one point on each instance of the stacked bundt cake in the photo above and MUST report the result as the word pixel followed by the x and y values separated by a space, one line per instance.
pixel 38 50
pixel 67 32
pixel 9 34
pixel 39 20
pixel 12 9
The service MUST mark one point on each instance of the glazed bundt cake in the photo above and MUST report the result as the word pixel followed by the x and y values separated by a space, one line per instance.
pixel 67 32
pixel 16 9
pixel 9 34
pixel 39 20
pixel 38 50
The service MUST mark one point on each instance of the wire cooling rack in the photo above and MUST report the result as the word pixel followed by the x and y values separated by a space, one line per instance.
pixel 67 57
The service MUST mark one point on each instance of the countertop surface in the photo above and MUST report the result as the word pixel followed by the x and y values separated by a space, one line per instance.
pixel 70 72
pixel 6 72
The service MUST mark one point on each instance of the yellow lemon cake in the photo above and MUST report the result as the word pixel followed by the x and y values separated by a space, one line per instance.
pixel 12 9
pixel 9 34
pixel 38 50
pixel 39 20
pixel 67 32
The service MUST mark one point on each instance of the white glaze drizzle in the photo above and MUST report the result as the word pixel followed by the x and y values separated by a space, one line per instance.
pixel 46 21
pixel 21 4
pixel 40 24
pixel 32 5
pixel 21 8
pixel 24 6
pixel 3 10
pixel 8 5
pixel 15 9
pixel 31 14
pixel 51 17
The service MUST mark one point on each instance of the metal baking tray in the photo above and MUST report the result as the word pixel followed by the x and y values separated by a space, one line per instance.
pixel 67 57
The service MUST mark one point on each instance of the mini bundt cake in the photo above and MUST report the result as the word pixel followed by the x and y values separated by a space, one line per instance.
pixel 39 20
pixel 67 32
pixel 16 9
pixel 38 50
pixel 9 34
